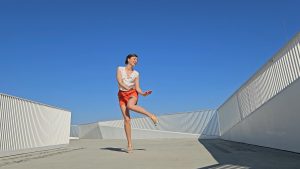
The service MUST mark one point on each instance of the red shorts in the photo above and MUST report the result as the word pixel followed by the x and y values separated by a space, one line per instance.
pixel 124 96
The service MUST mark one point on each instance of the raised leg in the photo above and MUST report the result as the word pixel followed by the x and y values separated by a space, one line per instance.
pixel 131 105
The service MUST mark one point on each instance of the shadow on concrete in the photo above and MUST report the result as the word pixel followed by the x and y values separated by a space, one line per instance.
pixel 120 149
pixel 236 155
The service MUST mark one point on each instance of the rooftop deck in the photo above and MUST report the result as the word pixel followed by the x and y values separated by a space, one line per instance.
pixel 152 154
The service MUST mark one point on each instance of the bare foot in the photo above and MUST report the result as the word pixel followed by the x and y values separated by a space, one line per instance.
pixel 154 119
pixel 129 149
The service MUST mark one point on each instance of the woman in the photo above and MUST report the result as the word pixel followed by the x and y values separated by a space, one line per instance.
pixel 129 89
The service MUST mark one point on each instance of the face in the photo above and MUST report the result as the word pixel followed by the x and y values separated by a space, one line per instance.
pixel 133 61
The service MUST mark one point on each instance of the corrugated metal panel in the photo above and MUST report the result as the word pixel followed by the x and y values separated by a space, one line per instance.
pixel 277 74
pixel 286 72
pixel 212 128
pixel 89 131
pixel 74 132
pixel 189 123
pixel 26 124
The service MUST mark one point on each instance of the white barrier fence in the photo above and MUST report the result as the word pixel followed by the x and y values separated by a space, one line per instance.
pixel 203 124
pixel 277 74
pixel 26 124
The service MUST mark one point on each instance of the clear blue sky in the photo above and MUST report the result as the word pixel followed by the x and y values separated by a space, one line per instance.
pixel 193 54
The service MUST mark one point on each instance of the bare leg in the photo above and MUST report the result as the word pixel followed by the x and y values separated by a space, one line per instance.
pixel 131 105
pixel 127 126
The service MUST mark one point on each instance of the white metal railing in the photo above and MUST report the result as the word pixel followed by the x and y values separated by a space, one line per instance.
pixel 202 123
pixel 277 74
pixel 27 124
pixel 280 72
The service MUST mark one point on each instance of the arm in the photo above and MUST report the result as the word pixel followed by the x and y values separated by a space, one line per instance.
pixel 138 89
pixel 120 81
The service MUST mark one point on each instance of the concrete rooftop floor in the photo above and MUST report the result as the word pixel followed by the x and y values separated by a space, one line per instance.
pixel 152 154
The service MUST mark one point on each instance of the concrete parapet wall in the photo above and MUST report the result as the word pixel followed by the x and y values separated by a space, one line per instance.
pixel 275 124
pixel 27 124
pixel 203 124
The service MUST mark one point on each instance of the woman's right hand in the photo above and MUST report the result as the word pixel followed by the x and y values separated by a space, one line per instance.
pixel 146 93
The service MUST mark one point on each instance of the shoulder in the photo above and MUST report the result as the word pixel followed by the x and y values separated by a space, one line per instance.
pixel 121 68
pixel 136 73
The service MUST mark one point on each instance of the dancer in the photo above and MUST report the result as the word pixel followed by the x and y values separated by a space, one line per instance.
pixel 129 89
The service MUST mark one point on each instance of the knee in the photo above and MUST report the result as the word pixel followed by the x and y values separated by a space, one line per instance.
pixel 130 106
pixel 127 120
